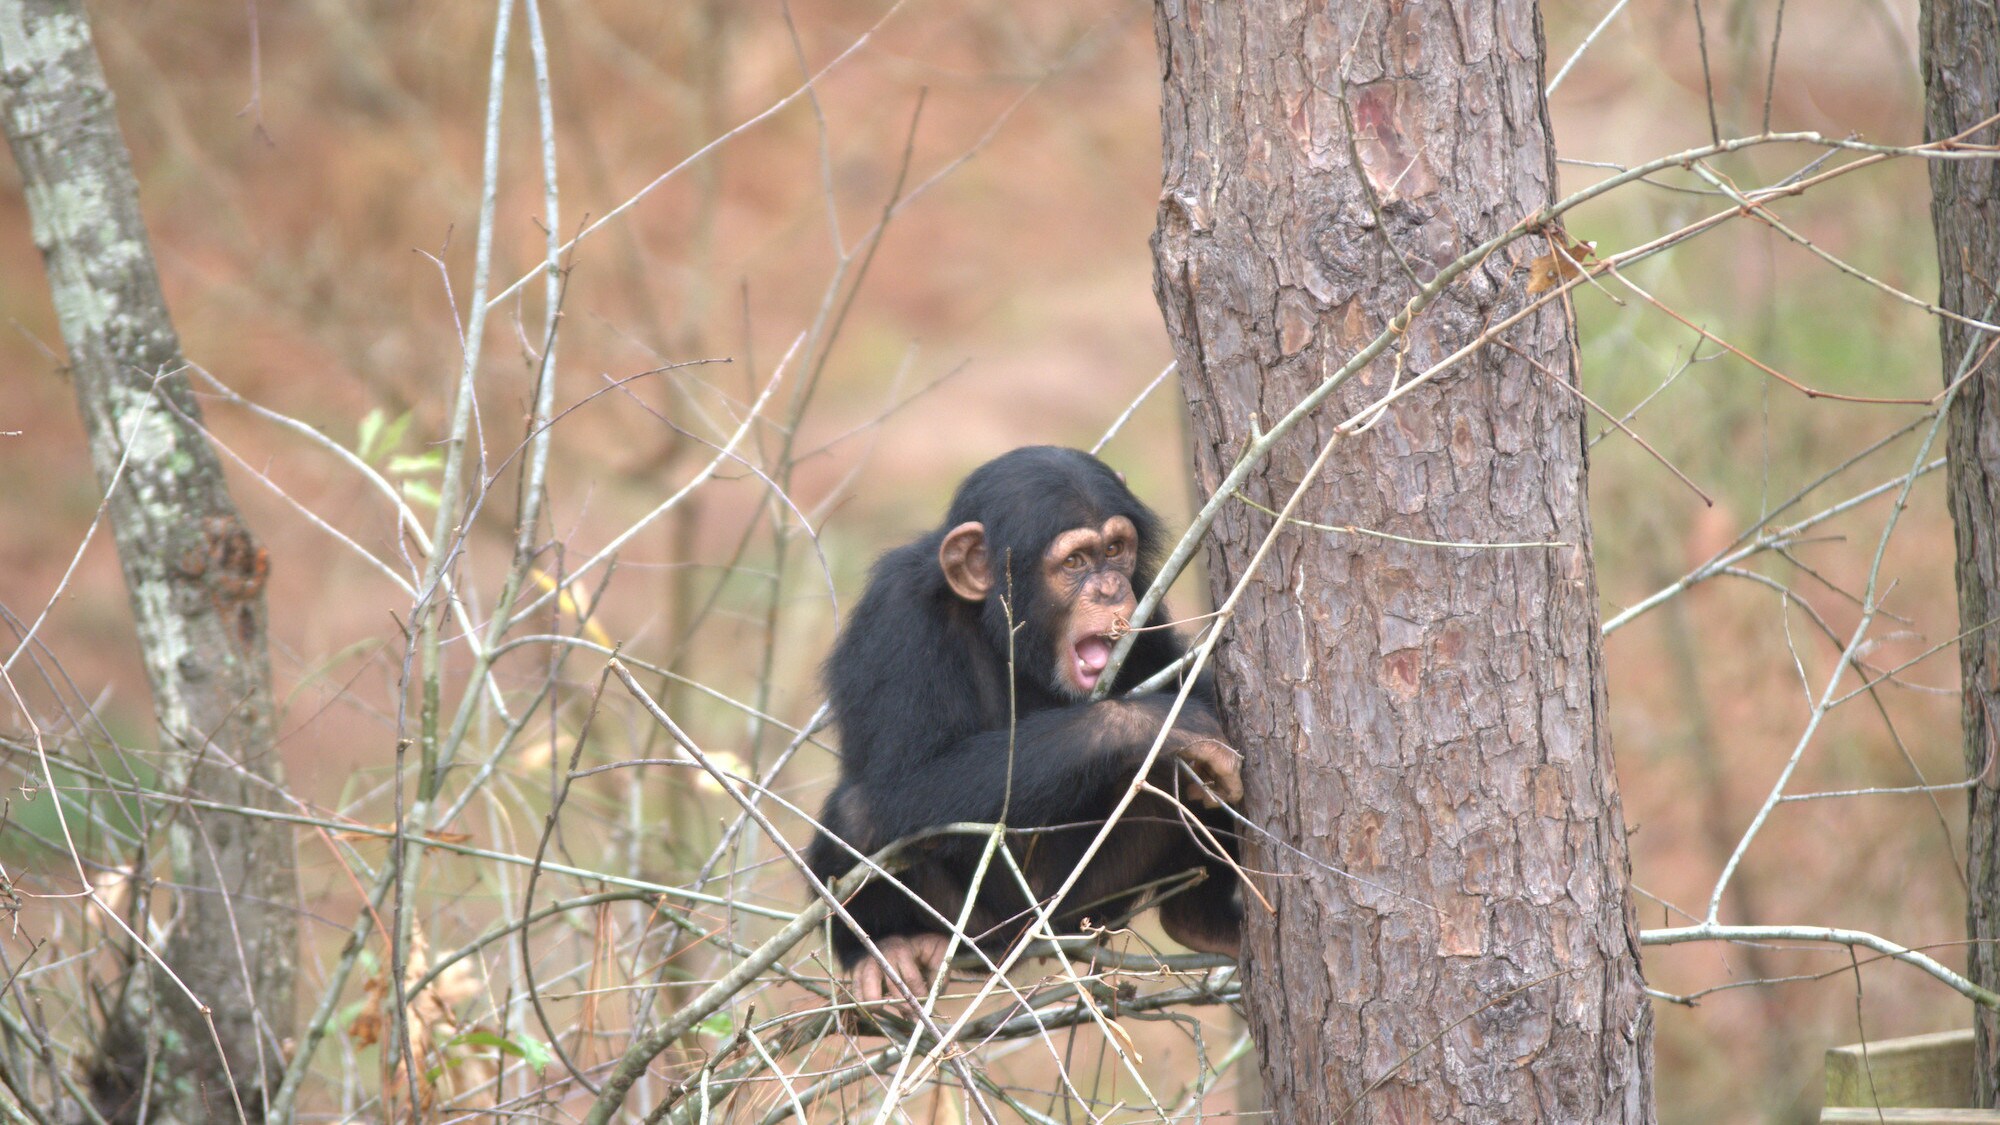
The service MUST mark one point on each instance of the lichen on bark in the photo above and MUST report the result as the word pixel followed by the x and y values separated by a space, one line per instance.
pixel 195 577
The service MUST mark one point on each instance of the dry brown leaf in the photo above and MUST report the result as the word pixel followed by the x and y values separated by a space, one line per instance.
pixel 1560 264
pixel 113 887
pixel 1124 1038
pixel 446 1069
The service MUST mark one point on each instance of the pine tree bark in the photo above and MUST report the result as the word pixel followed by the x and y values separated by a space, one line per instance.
pixel 196 579
pixel 1428 719
pixel 1961 62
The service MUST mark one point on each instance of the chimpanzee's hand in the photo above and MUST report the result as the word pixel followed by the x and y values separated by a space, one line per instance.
pixel 1219 768
pixel 916 958
pixel 1198 722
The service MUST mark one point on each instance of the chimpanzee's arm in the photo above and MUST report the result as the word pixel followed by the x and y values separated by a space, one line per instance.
pixel 1068 764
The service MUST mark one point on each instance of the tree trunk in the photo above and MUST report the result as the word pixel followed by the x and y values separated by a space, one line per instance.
pixel 1429 719
pixel 196 579
pixel 1962 88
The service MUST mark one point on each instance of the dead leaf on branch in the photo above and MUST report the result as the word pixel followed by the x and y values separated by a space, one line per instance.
pixel 1563 262
pixel 452 1061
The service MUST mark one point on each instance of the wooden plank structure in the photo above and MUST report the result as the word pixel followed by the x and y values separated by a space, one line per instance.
pixel 1919 1080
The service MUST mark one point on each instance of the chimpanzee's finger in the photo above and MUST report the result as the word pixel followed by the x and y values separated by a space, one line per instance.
pixel 867 983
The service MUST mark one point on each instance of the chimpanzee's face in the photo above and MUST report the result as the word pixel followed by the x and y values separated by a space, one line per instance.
pixel 1061 542
pixel 1087 584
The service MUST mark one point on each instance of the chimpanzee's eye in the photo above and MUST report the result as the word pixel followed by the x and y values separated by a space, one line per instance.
pixel 1114 548
pixel 1074 562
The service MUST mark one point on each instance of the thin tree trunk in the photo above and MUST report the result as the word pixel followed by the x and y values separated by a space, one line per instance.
pixel 1429 719
pixel 196 579
pixel 1961 60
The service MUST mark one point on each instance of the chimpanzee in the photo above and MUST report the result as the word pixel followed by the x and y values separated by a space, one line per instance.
pixel 1051 540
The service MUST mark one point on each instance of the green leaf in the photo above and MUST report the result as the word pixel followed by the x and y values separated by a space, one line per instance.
pixel 527 1048
pixel 422 493
pixel 365 443
pixel 392 438
pixel 717 1024
pixel 414 464
pixel 535 1052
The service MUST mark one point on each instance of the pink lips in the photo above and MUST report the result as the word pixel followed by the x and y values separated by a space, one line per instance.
pixel 1092 654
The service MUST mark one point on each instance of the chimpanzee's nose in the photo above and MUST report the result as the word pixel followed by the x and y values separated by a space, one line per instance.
pixel 1111 588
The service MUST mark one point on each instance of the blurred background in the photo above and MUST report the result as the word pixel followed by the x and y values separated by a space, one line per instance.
pixel 310 173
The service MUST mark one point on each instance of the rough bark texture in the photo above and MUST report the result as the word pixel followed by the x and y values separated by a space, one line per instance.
pixel 1428 719
pixel 1961 60
pixel 196 579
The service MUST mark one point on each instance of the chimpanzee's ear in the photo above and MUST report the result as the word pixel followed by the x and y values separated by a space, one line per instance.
pixel 962 557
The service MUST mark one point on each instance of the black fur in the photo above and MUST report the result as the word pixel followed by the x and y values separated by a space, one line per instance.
pixel 918 686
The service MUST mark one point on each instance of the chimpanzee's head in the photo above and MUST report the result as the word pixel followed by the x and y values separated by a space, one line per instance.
pixel 1057 534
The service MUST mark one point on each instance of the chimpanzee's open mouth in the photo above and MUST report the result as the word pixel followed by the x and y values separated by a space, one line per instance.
pixel 1092 654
